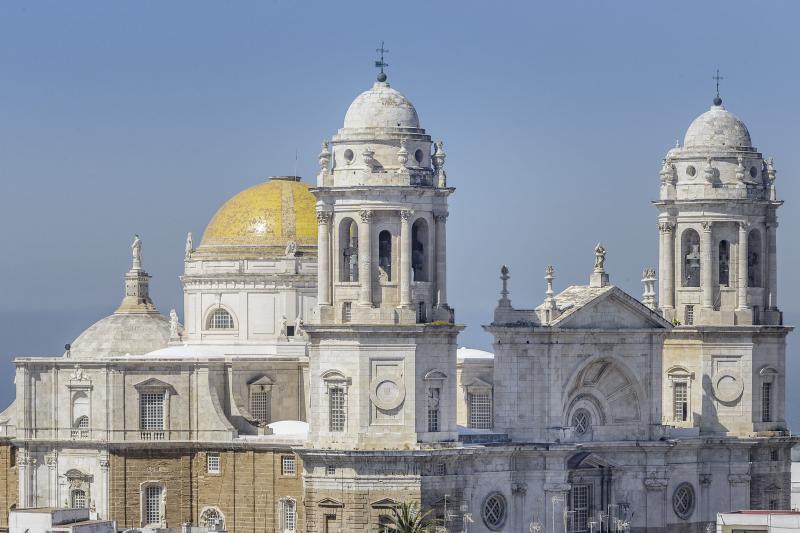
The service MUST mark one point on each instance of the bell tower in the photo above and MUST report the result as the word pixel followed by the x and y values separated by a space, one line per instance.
pixel 383 343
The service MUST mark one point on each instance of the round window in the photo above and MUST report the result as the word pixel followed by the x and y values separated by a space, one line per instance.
pixel 418 155
pixel 691 171
pixel 581 421
pixel 753 172
pixel 683 500
pixel 494 511
pixel 348 155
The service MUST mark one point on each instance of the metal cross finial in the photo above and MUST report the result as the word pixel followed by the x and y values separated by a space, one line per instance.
pixel 381 63
pixel 717 78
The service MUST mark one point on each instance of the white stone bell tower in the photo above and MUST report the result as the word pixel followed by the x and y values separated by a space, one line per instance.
pixel 383 345
pixel 718 281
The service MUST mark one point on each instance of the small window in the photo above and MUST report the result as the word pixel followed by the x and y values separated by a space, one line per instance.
pixel 288 465
pixel 688 315
pixel 439 469
pixel 480 411
pixel 773 454
pixel 212 463
pixel 152 504
pixel 385 254
pixel 289 516
pixel 683 501
pixel 348 156
pixel 347 311
pixel 680 400
pixel 260 405
pixel 212 519
pixel 330 470
pixel 690 246
pixel 336 409
pixel 766 402
pixel 348 248
pixel 493 511
pixel 418 156
pixel 754 259
pixel 78 499
pixel 581 421
pixel 422 313
pixel 220 319
pixel 724 263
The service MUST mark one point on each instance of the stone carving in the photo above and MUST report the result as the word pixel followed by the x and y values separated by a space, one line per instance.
pixel 406 214
pixel 744 225
pixel 666 227
pixel 654 481
pixel 402 155
pixel 324 157
pixel 187 253
pixel 599 258
pixel 649 281
pixel 728 386
pixel 706 225
pixel 299 331
pixel 438 163
pixel 368 157
pixel 549 275
pixel 705 479
pixel 709 173
pixel 366 215
pixel 51 459
pixel 77 374
pixel 173 325
pixel 519 488
pixel 740 173
pixel 284 328
pixel 323 217
pixel 136 251
pixel 291 249
pixel 504 277
pixel 668 173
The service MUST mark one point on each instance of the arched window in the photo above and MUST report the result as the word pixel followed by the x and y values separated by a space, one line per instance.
pixel 385 254
pixel 348 250
pixel 690 252
pixel 220 319
pixel 754 259
pixel 80 415
pixel 419 250
pixel 80 429
pixel 724 263
pixel 288 515
pixel 212 519
pixel 78 499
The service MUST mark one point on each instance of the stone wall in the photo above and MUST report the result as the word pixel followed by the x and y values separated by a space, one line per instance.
pixel 8 482
pixel 247 491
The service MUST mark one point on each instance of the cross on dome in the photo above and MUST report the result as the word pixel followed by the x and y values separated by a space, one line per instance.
pixel 717 78
pixel 381 63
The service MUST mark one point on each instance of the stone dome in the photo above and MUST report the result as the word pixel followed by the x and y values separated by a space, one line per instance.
pixel 121 334
pixel 270 214
pixel 718 128
pixel 381 107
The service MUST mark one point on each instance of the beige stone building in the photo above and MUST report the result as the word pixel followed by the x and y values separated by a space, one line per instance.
pixel 316 381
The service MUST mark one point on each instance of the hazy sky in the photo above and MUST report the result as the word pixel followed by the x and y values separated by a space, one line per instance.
pixel 124 117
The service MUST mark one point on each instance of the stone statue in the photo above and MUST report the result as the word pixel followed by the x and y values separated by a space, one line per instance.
pixel 284 327
pixel 298 327
pixel 291 249
pixel 136 250
pixel 189 246
pixel 599 258
pixel 173 323
pixel 324 157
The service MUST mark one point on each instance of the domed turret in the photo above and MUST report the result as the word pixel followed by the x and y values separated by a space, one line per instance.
pixel 719 128
pixel 381 107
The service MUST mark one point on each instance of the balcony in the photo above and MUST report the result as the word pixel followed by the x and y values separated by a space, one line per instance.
pixel 152 435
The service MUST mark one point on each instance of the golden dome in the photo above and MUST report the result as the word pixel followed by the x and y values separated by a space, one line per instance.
pixel 270 214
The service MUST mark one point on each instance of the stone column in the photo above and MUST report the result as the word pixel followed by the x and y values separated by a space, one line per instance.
pixel 666 284
pixel 405 258
pixel 51 460
pixel 365 259
pixel 772 258
pixel 23 458
pixel 739 490
pixel 324 258
pixel 707 266
pixel 441 259
pixel 103 506
pixel 744 226
pixel 655 484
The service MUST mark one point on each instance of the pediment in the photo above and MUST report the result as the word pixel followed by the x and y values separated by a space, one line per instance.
pixel 154 384
pixel 612 310
pixel 588 460
pixel 477 383
pixel 263 380
pixel 435 375
pixel 384 503
pixel 329 502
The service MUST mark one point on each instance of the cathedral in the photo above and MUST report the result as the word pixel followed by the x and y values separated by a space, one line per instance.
pixel 315 379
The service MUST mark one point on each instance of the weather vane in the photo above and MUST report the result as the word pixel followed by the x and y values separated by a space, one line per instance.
pixel 717 78
pixel 380 63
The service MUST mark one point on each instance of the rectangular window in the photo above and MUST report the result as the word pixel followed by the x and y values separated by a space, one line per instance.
pixel 287 465
pixel 480 411
pixel 433 409
pixel 260 406
pixel 580 503
pixel 289 517
pixel 290 331
pixel 336 409
pixel 440 469
pixel 422 315
pixel 212 463
pixel 773 454
pixel 151 411
pixel 774 504
pixel 689 315
pixel 152 505
pixel 680 401
pixel 330 470
pixel 766 402
pixel 347 312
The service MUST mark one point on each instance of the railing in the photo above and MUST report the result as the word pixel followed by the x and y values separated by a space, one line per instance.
pixel 151 435
pixel 76 434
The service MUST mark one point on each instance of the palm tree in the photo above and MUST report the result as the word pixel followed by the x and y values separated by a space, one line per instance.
pixel 409 518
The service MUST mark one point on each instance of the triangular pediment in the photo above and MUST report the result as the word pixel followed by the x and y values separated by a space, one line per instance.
pixel 586 460
pixel 154 384
pixel 263 380
pixel 385 503
pixel 477 383
pixel 613 309
pixel 330 502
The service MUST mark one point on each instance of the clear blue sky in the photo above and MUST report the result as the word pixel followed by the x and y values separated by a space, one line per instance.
pixel 123 117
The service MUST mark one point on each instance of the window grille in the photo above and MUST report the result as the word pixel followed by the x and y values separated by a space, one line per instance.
pixel 689 315
pixel 78 499
pixel 330 470
pixel 683 501
pixel 580 503
pixel 766 402
pixel 422 314
pixel 213 463
pixel 260 405
pixel 220 319
pixel 439 469
pixel 287 465
pixel 581 421
pixel 480 411
pixel 81 430
pixel 680 399
pixel 773 454
pixel 347 312
pixel 151 415
pixel 289 516
pixel 494 511
pixel 212 519
pixel 152 505
pixel 337 409
pixel 433 420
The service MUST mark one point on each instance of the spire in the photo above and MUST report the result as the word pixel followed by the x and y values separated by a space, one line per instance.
pixel 549 300
pixel 504 301
pixel 137 285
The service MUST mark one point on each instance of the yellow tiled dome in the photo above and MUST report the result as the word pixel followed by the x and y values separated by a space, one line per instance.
pixel 269 214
